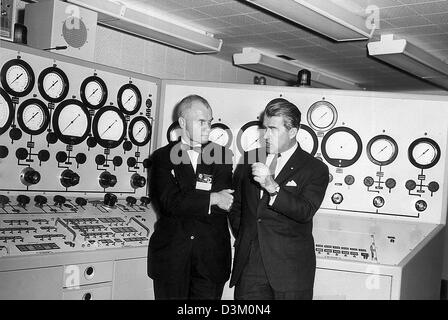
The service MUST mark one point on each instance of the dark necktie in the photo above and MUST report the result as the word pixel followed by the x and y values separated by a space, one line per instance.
pixel 273 164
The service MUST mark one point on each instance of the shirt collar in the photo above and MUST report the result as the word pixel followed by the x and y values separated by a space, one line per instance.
pixel 288 153
pixel 190 144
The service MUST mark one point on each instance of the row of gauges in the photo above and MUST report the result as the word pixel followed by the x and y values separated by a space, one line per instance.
pixel 71 122
pixel 341 146
pixel 17 78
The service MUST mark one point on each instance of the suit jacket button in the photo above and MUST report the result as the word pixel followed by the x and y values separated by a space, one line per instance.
pixel 259 220
pixel 192 237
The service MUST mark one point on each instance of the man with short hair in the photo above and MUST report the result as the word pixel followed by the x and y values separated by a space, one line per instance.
pixel 271 218
pixel 189 252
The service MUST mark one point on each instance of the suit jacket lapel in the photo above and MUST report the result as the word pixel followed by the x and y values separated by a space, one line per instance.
pixel 293 164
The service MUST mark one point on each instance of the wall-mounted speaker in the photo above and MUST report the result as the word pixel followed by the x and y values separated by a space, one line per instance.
pixel 56 25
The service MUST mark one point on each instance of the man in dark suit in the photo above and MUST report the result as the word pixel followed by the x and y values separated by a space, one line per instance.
pixel 189 253
pixel 275 201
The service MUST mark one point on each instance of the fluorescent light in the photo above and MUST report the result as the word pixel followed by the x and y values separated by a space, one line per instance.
pixel 406 56
pixel 276 67
pixel 323 16
pixel 119 16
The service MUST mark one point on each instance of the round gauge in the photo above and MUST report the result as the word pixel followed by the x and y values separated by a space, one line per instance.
pixel 221 134
pixel 322 116
pixel 6 111
pixel 109 127
pixel 307 139
pixel 424 153
pixel 250 137
pixel 17 77
pixel 382 150
pixel 139 131
pixel 341 147
pixel 174 132
pixel 53 84
pixel 33 116
pixel 71 122
pixel 93 92
pixel 129 99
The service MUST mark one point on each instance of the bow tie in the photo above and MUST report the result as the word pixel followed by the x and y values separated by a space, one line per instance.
pixel 187 147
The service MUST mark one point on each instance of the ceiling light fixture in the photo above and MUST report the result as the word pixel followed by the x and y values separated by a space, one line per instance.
pixel 323 16
pixel 408 57
pixel 255 60
pixel 121 17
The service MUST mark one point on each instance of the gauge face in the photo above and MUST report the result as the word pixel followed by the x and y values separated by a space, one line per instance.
pixel 250 137
pixel 33 116
pixel 71 122
pixel 174 132
pixel 94 92
pixel 341 147
pixel 17 77
pixel 424 153
pixel 322 116
pixel 221 134
pixel 6 111
pixel 53 84
pixel 382 150
pixel 129 99
pixel 109 127
pixel 139 131
pixel 307 139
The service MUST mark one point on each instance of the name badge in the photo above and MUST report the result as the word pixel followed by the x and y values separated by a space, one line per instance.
pixel 204 182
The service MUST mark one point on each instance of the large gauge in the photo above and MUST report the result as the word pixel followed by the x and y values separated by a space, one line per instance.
pixel 129 99
pixel 71 122
pixel 109 127
pixel 341 147
pixel 93 92
pixel 382 150
pixel 322 116
pixel 17 77
pixel 307 139
pixel 33 116
pixel 174 132
pixel 6 111
pixel 139 131
pixel 250 137
pixel 53 84
pixel 221 134
pixel 424 153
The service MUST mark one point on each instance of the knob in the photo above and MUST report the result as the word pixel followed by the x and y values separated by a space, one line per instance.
pixel 100 159
pixel 337 198
pixel 69 178
pixel 127 146
pixel 433 186
pixel 21 153
pixel 3 200
pixel 137 181
pixel 23 200
pixel 349 180
pixel 421 205
pixel 391 183
pixel 91 142
pixel 145 201
pixel 80 201
pixel 368 181
pixel 52 138
pixel 410 185
pixel 378 201
pixel 3 152
pixel 15 134
pixel 29 176
pixel 107 180
pixel 81 158
pixel 110 199
pixel 117 161
pixel 61 156
pixel 43 155
pixel 40 200
pixel 59 200
pixel 131 200
pixel 131 162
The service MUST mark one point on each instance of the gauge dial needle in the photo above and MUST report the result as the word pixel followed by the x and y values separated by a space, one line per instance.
pixel 129 99
pixel 94 91
pixel 382 149
pixel 424 153
pixel 32 117
pixel 53 84
pixel 254 142
pixel 17 78
pixel 140 131
pixel 109 127
pixel 71 122
pixel 323 115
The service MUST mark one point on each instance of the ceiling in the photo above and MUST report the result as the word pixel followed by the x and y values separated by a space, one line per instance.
pixel 240 24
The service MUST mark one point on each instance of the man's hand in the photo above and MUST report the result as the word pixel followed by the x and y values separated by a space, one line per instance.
pixel 264 177
pixel 223 199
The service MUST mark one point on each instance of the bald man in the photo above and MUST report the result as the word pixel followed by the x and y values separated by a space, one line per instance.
pixel 189 254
